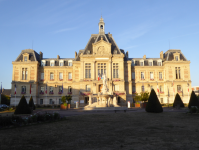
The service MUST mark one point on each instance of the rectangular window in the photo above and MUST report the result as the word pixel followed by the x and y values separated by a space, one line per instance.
pixel 142 88
pixel 51 76
pixel 60 76
pixel 160 75
pixel 23 89
pixel 41 101
pixel 26 76
pixel 88 88
pixel 133 75
pixel 42 76
pixel 87 70
pixel 69 89
pixel 42 63
pixel 161 88
pixel 60 89
pixel 159 63
pixel 70 64
pixel 51 89
pixel 179 87
pixel 177 72
pixel 60 101
pixel 42 89
pixel 50 101
pixel 25 58
pixel 151 75
pixel 69 75
pixel 101 69
pixel 23 74
pixel 142 75
pixel 176 58
pixel 141 63
pixel 150 63
pixel 134 89
pixel 115 70
pixel 61 64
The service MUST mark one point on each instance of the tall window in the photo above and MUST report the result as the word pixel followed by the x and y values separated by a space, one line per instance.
pixel 151 75
pixel 88 88
pixel 101 68
pixel 41 101
pixel 69 75
pixel 61 64
pixel 23 89
pixel 60 89
pixel 43 63
pixel 60 76
pixel 51 89
pixel 24 74
pixel 160 75
pixel 133 75
pixel 176 58
pixel 177 71
pixel 42 76
pixel 141 63
pixel 88 70
pixel 42 89
pixel 50 101
pixel 179 87
pixel 60 101
pixel 142 88
pixel 51 76
pixel 134 89
pixel 159 63
pixel 25 58
pixel 69 89
pixel 142 75
pixel 51 63
pixel 70 63
pixel 150 63
pixel 115 70
pixel 161 88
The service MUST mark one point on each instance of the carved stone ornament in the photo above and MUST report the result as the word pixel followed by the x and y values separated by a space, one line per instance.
pixel 101 50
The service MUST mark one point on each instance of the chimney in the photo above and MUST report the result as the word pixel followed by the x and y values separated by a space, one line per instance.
pixel 144 56
pixel 75 54
pixel 161 54
pixel 58 57
pixel 41 55
pixel 127 54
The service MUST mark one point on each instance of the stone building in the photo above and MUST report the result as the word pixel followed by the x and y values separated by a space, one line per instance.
pixel 48 79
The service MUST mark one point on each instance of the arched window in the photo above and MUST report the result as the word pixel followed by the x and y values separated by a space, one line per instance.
pixel 101 26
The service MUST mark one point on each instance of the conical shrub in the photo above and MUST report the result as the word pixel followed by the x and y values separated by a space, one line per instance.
pixel 193 100
pixel 23 107
pixel 153 104
pixel 178 101
pixel 31 103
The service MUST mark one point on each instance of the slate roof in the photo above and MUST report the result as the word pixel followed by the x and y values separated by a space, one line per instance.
pixel 168 55
pixel 6 92
pixel 33 55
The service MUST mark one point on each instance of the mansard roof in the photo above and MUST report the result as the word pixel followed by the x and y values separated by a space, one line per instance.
pixel 168 55
pixel 106 37
pixel 65 61
pixel 33 55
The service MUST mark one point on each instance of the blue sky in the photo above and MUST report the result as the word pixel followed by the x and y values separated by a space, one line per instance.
pixel 61 27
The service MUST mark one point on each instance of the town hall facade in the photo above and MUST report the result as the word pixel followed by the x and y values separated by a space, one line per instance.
pixel 47 80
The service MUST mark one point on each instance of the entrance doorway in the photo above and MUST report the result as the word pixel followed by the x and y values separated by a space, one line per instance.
pixel 118 99
pixel 100 87
pixel 86 100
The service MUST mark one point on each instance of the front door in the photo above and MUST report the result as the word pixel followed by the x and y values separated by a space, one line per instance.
pixel 100 87
pixel 86 100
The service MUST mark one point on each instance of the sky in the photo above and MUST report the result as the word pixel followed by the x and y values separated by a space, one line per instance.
pixel 61 27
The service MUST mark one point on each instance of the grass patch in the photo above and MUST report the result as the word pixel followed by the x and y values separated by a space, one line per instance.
pixel 131 130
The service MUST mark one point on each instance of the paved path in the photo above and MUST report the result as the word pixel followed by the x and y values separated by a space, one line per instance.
pixel 80 111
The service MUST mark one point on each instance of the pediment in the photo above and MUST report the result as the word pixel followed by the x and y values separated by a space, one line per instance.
pixel 101 48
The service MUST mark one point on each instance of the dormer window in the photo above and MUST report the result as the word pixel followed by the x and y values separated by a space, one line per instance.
pixel 159 63
pixel 61 63
pixel 43 63
pixel 25 58
pixel 133 63
pixel 70 63
pixel 150 62
pixel 176 58
pixel 52 63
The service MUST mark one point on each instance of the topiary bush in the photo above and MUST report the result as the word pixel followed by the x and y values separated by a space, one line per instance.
pixel 178 101
pixel 31 104
pixel 193 100
pixel 153 104
pixel 23 107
